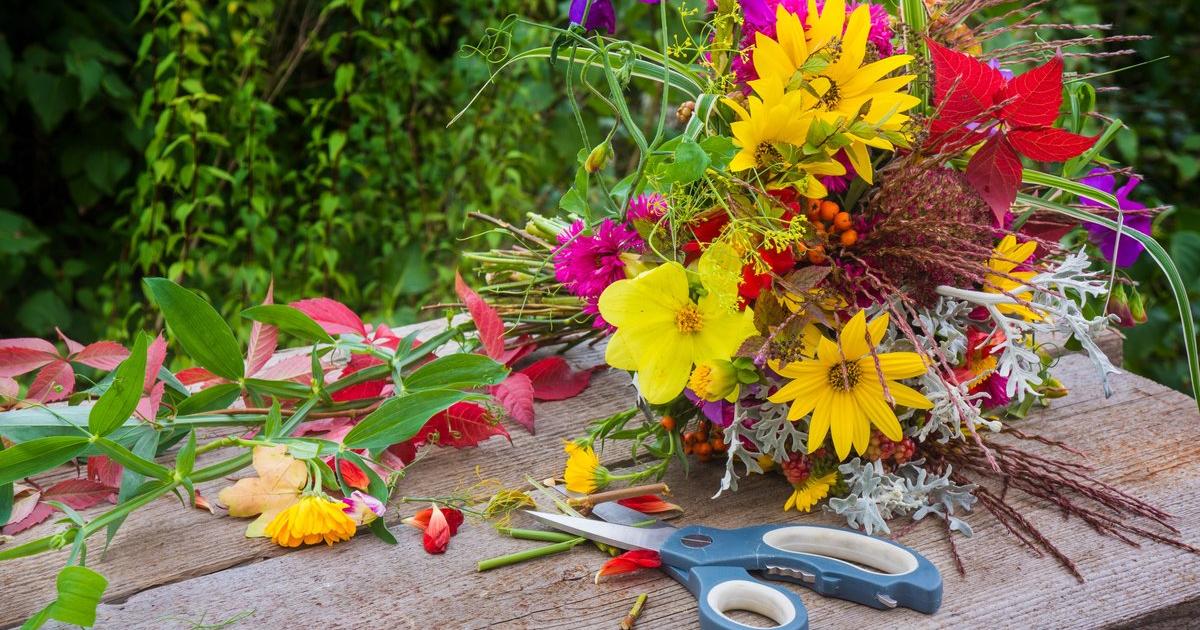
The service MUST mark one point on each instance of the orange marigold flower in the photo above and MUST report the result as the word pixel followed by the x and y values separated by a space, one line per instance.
pixel 309 521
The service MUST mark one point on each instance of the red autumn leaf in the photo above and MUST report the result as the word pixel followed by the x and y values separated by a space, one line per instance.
pixel 553 379
pixel 649 504
pixel 463 425
pixel 487 321
pixel 523 349
pixel 333 316
pixel 351 473
pixel 156 354
pixel 964 88
pixel 9 387
pixel 73 347
pixel 79 494
pixel 995 173
pixel 288 368
pixel 515 394
pixel 629 562
pixel 54 382
pixel 104 471
pixel 1047 144
pixel 197 376
pixel 1036 96
pixel 40 512
pixel 24 355
pixel 367 389
pixel 102 355
pixel 147 407
pixel 264 338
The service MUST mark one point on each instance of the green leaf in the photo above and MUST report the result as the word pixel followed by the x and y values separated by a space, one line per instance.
pixel 144 448
pixel 274 420
pixel 215 397
pixel 457 371
pixel 1185 251
pixel 720 150
pixel 6 496
pixel 29 458
pixel 139 464
pixel 185 461
pixel 121 398
pixel 379 528
pixel 401 418
pixel 690 163
pixel 79 593
pixel 286 389
pixel 290 320
pixel 196 325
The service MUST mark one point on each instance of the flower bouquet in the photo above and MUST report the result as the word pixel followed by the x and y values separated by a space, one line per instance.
pixel 843 252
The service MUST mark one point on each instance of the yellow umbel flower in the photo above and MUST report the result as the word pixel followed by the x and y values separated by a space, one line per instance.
pixel 662 332
pixel 808 494
pixel 843 389
pixel 311 520
pixel 1002 279
pixel 584 473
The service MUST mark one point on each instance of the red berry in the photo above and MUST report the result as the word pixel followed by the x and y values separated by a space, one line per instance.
pixel 905 449
pixel 796 468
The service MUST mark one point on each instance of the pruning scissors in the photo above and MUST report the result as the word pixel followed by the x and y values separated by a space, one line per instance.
pixel 714 564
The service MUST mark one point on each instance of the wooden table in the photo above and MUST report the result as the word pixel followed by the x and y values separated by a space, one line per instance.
pixel 172 566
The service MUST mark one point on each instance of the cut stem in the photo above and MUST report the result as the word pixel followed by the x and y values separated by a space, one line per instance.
pixel 634 613
pixel 536 534
pixel 530 554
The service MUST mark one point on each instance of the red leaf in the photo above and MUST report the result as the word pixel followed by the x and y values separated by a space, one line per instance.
pixel 487 321
pixel 995 172
pixel 351 473
pixel 287 369
pixel 20 356
pixel 264 338
pixel 104 471
pixel 368 389
pixel 629 562
pixel 147 407
pixel 198 376
pixel 73 347
pixel 156 354
pixel 964 87
pixel 333 316
pixel 1048 144
pixel 553 379
pixel 55 382
pixel 9 388
pixel 41 512
pixel 523 349
pixel 463 425
pixel 80 494
pixel 649 504
pixel 515 394
pixel 102 355
pixel 1038 96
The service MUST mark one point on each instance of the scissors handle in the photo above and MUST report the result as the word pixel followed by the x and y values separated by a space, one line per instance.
pixel 720 590
pixel 833 561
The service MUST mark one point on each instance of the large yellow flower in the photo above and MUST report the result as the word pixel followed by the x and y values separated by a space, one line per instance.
pixel 311 520
pixel 1002 279
pixel 662 332
pixel 843 389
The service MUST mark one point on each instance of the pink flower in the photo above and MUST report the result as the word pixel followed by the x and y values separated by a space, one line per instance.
pixel 587 262
pixel 363 508
pixel 648 208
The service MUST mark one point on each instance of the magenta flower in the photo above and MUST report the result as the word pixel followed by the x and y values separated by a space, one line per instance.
pixel 600 17
pixel 586 262
pixel 649 208
pixel 362 507
pixel 1105 238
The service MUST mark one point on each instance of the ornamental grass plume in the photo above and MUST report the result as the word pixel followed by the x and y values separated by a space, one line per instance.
pixel 311 520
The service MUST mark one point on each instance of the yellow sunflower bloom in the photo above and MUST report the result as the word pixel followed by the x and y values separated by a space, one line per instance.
pixel 1002 279
pixel 662 332
pixel 311 520
pixel 584 473
pixel 842 388
pixel 808 494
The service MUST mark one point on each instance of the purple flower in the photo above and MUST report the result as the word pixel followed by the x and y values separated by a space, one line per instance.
pixel 363 508
pixel 586 263
pixel 648 208
pixel 600 17
pixel 1129 249
pixel 719 412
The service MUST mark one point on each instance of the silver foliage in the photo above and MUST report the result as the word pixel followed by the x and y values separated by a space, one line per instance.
pixel 876 496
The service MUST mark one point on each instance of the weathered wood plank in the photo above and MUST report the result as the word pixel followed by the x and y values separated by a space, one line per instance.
pixel 1142 439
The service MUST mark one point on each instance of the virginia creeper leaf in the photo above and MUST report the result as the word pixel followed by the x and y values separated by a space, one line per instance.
pixel 487 321
pixel 554 379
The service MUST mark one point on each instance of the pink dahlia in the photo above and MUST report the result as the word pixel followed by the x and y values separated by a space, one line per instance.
pixel 586 262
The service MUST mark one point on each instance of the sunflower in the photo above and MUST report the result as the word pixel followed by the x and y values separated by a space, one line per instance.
pixel 662 332
pixel 843 387
pixel 311 520
pixel 1003 280
pixel 808 493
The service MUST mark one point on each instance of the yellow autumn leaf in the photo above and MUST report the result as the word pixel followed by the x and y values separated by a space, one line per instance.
pixel 277 486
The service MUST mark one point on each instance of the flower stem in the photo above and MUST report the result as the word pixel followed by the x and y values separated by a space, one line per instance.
pixel 536 534
pixel 592 500
pixel 530 554
pixel 634 613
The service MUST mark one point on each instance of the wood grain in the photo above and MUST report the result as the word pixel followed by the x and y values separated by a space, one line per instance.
pixel 174 567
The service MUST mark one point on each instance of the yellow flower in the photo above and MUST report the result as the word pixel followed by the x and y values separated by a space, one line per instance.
pixel 806 495
pixel 843 390
pixel 1002 279
pixel 584 472
pixel 715 380
pixel 311 520
pixel 662 332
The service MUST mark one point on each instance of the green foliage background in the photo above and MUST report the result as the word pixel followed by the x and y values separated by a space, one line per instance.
pixel 224 144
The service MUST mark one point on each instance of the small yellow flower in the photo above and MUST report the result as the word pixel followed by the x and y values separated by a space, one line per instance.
pixel 715 380
pixel 584 473
pixel 807 494
pixel 311 520
pixel 1002 279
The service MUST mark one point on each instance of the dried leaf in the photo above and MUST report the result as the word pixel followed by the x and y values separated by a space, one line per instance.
pixel 276 487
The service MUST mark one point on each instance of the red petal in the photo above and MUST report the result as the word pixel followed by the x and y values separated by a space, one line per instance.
pixel 487 321
pixel 333 316
pixel 102 355
pixel 1038 96
pixel 995 172
pixel 437 533
pixel 420 520
pixel 964 87
pixel 351 473
pixel 1047 144
pixel 553 379
pixel 54 382
pixel 649 504
pixel 515 394
pixel 629 562
pixel 80 494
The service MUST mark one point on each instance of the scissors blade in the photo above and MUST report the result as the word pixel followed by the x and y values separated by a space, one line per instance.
pixel 622 536
pixel 616 513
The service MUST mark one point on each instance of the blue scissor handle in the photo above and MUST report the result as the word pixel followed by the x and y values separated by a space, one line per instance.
pixel 829 560
pixel 720 589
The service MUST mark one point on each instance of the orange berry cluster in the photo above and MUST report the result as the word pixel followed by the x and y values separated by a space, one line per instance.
pixel 701 444
pixel 834 227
